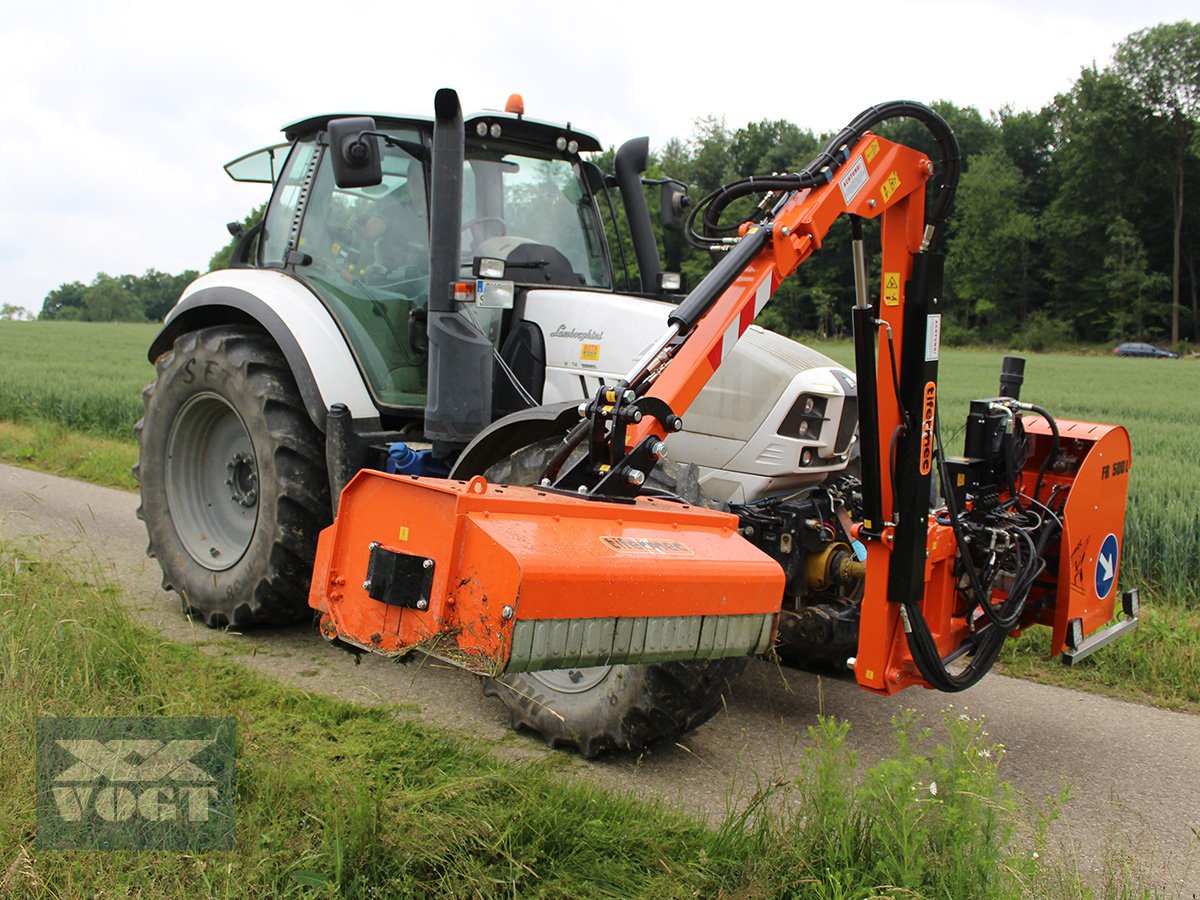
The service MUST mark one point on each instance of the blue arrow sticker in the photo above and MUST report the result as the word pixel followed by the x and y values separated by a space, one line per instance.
pixel 1106 566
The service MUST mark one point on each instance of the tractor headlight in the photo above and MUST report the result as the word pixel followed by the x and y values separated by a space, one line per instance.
pixel 486 267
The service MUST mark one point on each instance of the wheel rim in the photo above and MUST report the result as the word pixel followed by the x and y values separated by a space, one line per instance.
pixel 212 482
pixel 572 681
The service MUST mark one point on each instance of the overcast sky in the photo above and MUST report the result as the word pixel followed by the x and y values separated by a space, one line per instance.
pixel 120 114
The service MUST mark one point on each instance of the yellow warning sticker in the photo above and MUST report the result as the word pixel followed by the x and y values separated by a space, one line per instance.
pixel 872 151
pixel 590 352
pixel 870 674
pixel 891 288
pixel 404 532
pixel 890 185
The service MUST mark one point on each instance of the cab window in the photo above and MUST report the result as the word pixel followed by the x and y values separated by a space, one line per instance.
pixel 370 264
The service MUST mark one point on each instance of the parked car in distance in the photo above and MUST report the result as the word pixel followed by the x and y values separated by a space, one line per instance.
pixel 1134 348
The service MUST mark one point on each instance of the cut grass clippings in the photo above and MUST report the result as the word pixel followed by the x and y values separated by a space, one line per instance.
pixel 338 800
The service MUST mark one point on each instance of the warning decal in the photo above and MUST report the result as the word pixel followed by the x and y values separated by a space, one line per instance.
pixel 854 180
pixel 891 288
pixel 890 185
pixel 589 352
pixel 933 337
pixel 871 151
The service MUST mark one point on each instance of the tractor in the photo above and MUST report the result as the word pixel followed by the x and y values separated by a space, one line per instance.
pixel 430 400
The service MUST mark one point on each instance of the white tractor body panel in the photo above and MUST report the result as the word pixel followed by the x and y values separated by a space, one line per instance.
pixel 731 431
pixel 333 367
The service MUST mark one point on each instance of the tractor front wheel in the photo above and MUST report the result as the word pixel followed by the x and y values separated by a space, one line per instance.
pixel 233 483
pixel 622 708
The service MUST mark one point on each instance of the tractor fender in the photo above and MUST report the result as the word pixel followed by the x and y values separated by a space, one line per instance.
pixel 304 331
pixel 508 435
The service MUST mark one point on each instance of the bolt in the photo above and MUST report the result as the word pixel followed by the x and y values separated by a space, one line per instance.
pixel 658 449
pixel 367 585
pixel 507 612
pixel 427 564
pixel 582 410
pixel 785 231
pixel 376 638
pixel 929 167
pixel 374 545
pixel 422 603
pixel 629 396
pixel 582 489
pixel 850 662
pixel 637 415
pixel 872 203
pixel 635 477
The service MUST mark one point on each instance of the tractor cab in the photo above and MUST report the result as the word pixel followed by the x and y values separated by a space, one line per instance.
pixel 528 211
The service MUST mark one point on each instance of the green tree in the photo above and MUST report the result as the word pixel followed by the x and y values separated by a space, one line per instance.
pixel 108 300
pixel 10 312
pixel 156 292
pixel 1132 286
pixel 64 302
pixel 1097 174
pixel 989 251
pixel 1162 66
pixel 221 259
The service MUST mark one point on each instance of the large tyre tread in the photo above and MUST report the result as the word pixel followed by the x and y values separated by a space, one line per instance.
pixel 668 700
pixel 301 506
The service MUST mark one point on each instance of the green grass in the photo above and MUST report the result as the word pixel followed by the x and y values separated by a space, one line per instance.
pixel 84 376
pixel 54 449
pixel 338 800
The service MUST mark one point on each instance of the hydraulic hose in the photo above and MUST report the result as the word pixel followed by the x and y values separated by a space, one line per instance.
pixel 832 156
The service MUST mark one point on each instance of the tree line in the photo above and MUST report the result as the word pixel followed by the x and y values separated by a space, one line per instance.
pixel 1074 222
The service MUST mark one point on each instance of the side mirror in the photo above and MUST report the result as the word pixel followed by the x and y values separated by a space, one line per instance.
pixel 355 152
pixel 675 202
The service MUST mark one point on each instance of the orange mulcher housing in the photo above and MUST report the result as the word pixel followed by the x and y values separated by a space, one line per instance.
pixel 580 571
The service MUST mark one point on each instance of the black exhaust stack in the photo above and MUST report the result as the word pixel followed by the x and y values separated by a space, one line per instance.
pixel 630 164
pixel 459 400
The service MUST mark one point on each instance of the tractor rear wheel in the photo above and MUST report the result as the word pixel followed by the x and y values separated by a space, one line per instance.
pixel 610 708
pixel 233 483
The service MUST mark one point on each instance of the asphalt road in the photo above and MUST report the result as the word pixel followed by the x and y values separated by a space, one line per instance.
pixel 1134 771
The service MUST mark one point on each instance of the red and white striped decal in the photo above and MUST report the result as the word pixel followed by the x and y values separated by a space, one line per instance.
pixel 738 326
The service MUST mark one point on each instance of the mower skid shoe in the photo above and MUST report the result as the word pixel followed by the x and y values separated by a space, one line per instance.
pixel 503 579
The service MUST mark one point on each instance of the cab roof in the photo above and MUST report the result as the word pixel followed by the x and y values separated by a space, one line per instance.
pixel 512 127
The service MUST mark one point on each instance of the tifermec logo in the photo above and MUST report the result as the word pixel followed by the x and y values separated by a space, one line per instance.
pixel 135 784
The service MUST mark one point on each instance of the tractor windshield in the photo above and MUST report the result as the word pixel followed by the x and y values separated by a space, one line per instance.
pixel 534 213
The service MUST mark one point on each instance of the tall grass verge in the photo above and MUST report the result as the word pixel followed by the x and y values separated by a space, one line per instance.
pixel 336 800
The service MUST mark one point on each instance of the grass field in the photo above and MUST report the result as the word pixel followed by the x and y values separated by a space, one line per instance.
pixel 336 800
pixel 74 392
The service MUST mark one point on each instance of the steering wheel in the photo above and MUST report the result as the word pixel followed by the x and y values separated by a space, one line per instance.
pixel 487 220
